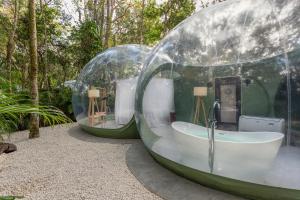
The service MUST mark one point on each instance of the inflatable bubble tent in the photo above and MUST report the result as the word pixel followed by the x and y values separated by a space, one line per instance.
pixel 228 112
pixel 104 93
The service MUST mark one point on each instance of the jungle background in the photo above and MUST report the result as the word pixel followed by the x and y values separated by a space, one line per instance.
pixel 71 32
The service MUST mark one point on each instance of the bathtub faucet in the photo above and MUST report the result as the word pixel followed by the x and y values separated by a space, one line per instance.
pixel 216 106
pixel 211 135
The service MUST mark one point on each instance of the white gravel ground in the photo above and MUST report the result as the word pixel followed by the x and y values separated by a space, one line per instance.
pixel 65 163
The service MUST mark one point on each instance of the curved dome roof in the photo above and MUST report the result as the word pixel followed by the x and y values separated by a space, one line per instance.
pixel 234 32
pixel 111 76
pixel 244 54
pixel 120 62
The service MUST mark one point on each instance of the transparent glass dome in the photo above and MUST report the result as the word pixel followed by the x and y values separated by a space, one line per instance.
pixel 103 97
pixel 220 94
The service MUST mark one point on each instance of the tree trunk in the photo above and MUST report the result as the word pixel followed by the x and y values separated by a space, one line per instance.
pixel 79 11
pixel 34 118
pixel 166 11
pixel 102 21
pixel 45 71
pixel 85 13
pixel 108 23
pixel 11 43
pixel 24 76
pixel 142 23
pixel 95 14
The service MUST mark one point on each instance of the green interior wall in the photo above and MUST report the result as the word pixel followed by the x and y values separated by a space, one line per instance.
pixel 259 98
pixel 184 99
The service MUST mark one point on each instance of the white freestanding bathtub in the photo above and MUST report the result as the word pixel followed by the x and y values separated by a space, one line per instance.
pixel 241 155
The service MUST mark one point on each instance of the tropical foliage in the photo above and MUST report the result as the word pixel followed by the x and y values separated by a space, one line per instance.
pixel 14 108
pixel 69 33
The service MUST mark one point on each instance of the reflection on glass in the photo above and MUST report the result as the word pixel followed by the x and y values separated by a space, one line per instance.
pixel 245 54
pixel 104 92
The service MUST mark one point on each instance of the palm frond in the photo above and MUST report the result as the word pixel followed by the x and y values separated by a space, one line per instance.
pixel 15 106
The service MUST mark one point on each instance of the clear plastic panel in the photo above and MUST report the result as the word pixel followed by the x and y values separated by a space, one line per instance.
pixel 229 87
pixel 112 75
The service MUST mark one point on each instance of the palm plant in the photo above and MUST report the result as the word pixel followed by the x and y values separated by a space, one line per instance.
pixel 14 107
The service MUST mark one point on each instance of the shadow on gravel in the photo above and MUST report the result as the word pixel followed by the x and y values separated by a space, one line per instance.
pixel 78 133
pixel 165 183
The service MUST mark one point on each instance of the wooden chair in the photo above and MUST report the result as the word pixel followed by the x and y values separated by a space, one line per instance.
pixel 93 114
pixel 103 102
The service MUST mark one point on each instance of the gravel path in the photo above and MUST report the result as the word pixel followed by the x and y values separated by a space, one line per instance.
pixel 65 163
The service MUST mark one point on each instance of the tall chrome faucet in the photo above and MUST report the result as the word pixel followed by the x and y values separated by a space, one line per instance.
pixel 216 106
pixel 211 135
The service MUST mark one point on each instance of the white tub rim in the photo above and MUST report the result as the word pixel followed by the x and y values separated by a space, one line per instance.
pixel 279 135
